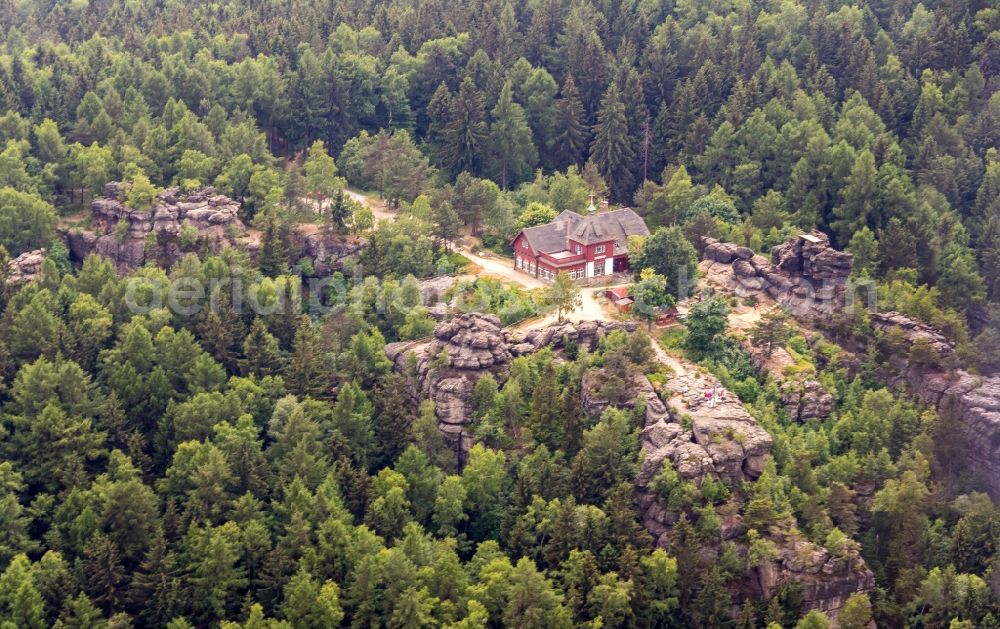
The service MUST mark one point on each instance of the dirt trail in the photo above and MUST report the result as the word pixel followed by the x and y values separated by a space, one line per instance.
pixel 380 210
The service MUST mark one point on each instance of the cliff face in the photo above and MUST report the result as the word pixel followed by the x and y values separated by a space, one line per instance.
pixel 700 439
pixel 726 443
pixel 131 238
pixel 445 368
pixel 976 398
pixel 805 275
pixel 809 278
pixel 181 222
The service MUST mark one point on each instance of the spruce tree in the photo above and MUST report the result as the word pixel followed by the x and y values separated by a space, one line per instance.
pixel 571 135
pixel 466 132
pixel 544 417
pixel 512 147
pixel 307 374
pixel 612 147
pixel 261 354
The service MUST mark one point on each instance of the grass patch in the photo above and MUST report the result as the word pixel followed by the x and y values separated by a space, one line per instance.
pixel 459 262
pixel 671 338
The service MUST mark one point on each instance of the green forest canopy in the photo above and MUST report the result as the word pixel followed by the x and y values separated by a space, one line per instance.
pixel 189 471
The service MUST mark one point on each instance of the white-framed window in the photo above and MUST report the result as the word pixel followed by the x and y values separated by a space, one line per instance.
pixel 524 243
pixel 579 249
pixel 599 249
pixel 598 269
pixel 518 262
pixel 616 244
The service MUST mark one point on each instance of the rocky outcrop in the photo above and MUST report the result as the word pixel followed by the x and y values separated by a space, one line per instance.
pixel 806 275
pixel 432 290
pixel 177 223
pixel 327 252
pixel 196 221
pixel 932 377
pixel 724 442
pixel 25 267
pixel 902 332
pixel 826 580
pixel 806 400
pixel 809 279
pixel 446 368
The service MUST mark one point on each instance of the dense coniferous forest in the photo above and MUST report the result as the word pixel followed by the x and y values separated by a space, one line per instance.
pixel 236 468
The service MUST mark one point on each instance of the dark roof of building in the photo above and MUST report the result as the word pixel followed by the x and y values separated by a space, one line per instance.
pixel 614 225
pixel 593 228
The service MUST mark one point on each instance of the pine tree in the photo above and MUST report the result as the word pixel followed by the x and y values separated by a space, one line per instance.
pixel 220 331
pixel 339 213
pixel 571 135
pixel 611 149
pixel 273 257
pixel 155 588
pixel 858 197
pixel 311 605
pixel 511 143
pixel 770 332
pixel 21 605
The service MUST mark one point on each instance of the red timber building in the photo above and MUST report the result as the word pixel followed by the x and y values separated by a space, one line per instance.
pixel 586 247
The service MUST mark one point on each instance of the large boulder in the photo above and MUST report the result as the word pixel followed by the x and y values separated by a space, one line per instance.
pixel 806 400
pixel 25 267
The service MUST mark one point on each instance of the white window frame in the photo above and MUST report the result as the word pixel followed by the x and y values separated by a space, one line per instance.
pixel 579 250
pixel 598 270
pixel 599 250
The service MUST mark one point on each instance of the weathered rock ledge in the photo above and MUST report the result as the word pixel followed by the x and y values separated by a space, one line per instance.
pixel 445 368
pixel 805 275
pixel 809 278
pixel 182 222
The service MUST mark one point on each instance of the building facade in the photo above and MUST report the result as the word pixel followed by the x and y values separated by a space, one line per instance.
pixel 586 247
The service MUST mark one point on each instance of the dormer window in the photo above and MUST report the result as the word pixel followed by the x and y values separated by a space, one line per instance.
pixel 599 249
pixel 579 249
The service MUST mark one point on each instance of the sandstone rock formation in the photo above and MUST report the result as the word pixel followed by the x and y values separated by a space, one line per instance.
pixel 445 369
pixel 826 580
pixel 806 275
pixel 726 443
pixel 976 398
pixel 181 222
pixel 806 400
pixel 25 267
pixel 326 252
pixel 131 238
pixel 809 278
